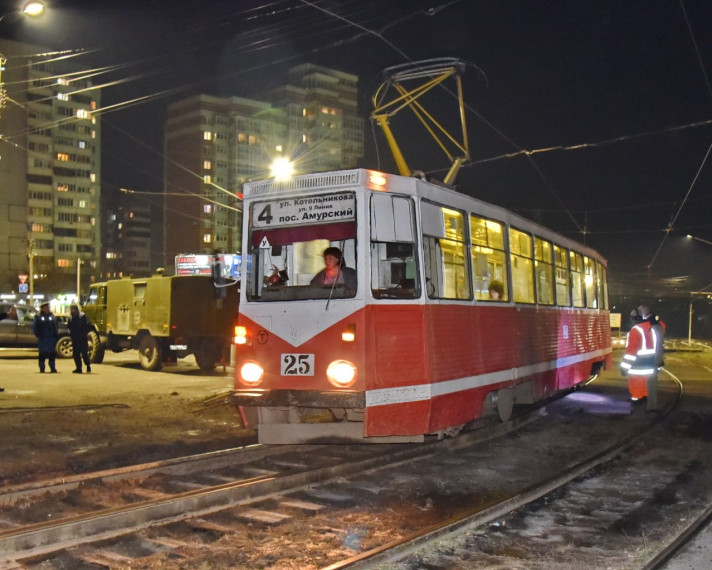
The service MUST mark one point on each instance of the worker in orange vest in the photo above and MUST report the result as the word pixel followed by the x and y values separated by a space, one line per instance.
pixel 659 329
pixel 640 357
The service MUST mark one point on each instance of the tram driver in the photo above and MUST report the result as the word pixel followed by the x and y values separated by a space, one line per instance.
pixel 335 272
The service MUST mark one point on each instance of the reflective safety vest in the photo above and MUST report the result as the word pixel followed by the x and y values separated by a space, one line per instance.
pixel 641 348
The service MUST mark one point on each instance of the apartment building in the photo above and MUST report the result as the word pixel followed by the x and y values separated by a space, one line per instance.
pixel 50 166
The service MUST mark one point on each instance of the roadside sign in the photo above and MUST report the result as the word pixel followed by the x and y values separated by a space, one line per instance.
pixel 23 288
pixel 615 320
pixel 23 277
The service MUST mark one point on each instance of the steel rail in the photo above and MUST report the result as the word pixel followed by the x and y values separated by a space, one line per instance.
pixel 398 549
pixel 49 536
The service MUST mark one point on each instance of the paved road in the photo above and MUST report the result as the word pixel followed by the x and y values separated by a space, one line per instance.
pixel 52 424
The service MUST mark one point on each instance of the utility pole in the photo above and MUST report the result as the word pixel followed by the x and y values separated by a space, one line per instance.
pixel 32 272
pixel 79 278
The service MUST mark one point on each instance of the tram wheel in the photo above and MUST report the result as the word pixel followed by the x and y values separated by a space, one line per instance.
pixel 505 404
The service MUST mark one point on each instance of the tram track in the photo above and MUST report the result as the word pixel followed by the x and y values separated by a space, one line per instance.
pixel 384 486
pixel 451 544
pixel 163 491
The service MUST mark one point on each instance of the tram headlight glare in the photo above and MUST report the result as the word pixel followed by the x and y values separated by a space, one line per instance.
pixel 251 373
pixel 341 373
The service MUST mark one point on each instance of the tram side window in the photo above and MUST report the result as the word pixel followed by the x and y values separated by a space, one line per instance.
pixel 602 287
pixel 520 248
pixel 544 272
pixel 445 260
pixel 394 271
pixel 489 258
pixel 577 279
pixel 590 282
pixel 561 265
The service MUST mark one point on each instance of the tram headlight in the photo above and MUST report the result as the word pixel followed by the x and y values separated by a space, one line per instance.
pixel 251 373
pixel 341 373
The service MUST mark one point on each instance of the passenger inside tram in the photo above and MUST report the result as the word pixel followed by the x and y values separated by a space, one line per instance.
pixel 496 290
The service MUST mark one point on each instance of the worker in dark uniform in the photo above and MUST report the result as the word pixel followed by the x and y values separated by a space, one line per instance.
pixel 79 331
pixel 46 330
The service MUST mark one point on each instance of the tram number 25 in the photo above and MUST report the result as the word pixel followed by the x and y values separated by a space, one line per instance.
pixel 297 365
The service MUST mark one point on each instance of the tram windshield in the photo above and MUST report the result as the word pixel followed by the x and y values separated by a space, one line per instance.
pixel 288 241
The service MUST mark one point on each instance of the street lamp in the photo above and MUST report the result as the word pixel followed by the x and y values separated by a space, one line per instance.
pixel 281 169
pixel 32 9
pixel 694 294
pixel 699 239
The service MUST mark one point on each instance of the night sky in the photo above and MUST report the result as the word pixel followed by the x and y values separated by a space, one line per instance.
pixel 618 91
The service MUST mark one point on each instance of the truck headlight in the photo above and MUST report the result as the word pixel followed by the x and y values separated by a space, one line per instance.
pixel 251 373
pixel 341 373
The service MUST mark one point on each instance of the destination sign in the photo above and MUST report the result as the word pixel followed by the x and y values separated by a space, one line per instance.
pixel 307 210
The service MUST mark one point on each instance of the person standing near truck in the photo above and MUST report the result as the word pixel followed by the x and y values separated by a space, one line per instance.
pixel 79 328
pixel 46 330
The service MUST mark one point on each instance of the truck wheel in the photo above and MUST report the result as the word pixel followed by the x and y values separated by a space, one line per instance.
pixel 207 356
pixel 149 353
pixel 96 348
pixel 64 347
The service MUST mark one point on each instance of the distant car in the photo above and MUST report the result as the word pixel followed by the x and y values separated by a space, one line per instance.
pixel 16 331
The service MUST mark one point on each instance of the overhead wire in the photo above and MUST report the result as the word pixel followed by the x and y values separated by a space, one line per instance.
pixel 671 225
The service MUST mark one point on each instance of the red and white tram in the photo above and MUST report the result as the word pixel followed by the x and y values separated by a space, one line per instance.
pixel 422 345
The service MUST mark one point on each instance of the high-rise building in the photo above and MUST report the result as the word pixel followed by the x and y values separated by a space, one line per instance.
pixel 128 239
pixel 322 111
pixel 215 144
pixel 50 166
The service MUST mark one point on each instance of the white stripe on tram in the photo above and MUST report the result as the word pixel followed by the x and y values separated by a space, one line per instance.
pixel 420 392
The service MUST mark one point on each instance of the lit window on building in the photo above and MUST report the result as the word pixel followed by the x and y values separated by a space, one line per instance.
pixel 207 179
pixel 207 165
pixel 63 156
pixel 62 188
pixel 83 114
pixel 207 238
pixel 92 177
pixel 93 105
pixel 208 208
pixel 252 139
pixel 63 96
pixel 241 137
pixel 207 136
pixel 63 263
pixel 82 203
pixel 82 144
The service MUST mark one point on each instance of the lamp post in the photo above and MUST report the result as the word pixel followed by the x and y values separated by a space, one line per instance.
pixel 694 294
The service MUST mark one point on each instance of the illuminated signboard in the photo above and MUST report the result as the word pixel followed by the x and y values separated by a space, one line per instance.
pixel 199 264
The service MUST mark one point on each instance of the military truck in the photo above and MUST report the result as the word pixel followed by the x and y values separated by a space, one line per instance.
pixel 164 318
